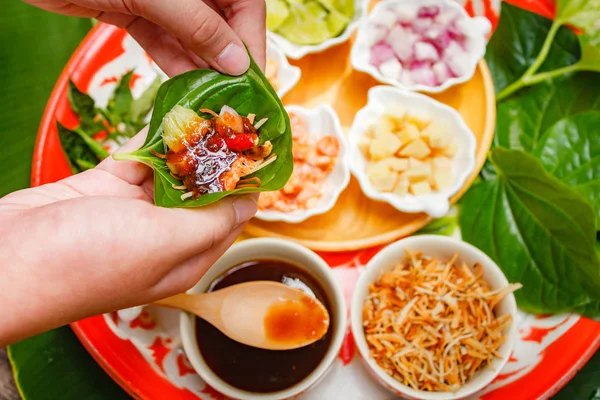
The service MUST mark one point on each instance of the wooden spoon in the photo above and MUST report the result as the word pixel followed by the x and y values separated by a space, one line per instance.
pixel 264 314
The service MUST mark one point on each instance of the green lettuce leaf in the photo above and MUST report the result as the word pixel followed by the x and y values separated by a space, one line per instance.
pixel 540 232
pixel 248 93
pixel 570 150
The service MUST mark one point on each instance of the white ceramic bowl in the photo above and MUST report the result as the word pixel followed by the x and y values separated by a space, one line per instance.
pixel 478 28
pixel 287 74
pixel 441 247
pixel 437 203
pixel 321 121
pixel 269 249
pixel 297 51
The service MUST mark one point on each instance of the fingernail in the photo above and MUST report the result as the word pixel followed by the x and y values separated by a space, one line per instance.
pixel 245 208
pixel 233 59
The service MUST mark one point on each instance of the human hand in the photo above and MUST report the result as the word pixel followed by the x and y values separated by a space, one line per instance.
pixel 94 243
pixel 183 35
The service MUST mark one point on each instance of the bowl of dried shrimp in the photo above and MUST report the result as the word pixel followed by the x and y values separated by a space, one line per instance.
pixel 321 167
pixel 434 318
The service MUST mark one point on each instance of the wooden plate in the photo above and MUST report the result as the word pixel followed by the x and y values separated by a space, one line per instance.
pixel 356 221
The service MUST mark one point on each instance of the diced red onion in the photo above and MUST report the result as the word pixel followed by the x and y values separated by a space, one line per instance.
pixel 381 52
pixel 375 34
pixel 401 40
pixel 426 52
pixel 422 24
pixel 391 68
pixel 424 76
pixel 441 71
pixel 428 12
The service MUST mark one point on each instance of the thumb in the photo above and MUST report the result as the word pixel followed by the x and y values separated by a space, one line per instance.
pixel 201 30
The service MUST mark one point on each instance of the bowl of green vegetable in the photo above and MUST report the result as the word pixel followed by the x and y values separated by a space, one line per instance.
pixel 301 27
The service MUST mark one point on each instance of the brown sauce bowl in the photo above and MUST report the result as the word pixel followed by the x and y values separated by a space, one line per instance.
pixel 287 252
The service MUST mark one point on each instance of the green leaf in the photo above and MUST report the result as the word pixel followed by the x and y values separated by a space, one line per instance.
pixel 120 102
pixel 590 51
pixel 584 14
pixel 539 231
pixel 54 365
pixel 83 105
pixel 525 116
pixel 442 226
pixel 585 385
pixel 141 106
pixel 82 151
pixel 570 150
pixel 247 93
pixel 517 42
pixel 35 47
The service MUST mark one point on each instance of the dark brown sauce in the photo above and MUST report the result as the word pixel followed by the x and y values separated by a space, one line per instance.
pixel 253 369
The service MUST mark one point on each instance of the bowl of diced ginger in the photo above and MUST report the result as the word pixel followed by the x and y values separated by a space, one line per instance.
pixel 410 150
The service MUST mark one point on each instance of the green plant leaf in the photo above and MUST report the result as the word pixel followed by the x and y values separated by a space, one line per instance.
pixel 247 93
pixel 584 14
pixel 525 116
pixel 120 102
pixel 570 150
pixel 517 42
pixel 590 51
pixel 444 226
pixel 539 231
pixel 54 365
pixel 141 106
pixel 81 103
pixel 82 151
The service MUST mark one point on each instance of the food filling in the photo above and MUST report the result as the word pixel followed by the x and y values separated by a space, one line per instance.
pixel 314 159
pixel 431 324
pixel 408 154
pixel 213 155
pixel 426 45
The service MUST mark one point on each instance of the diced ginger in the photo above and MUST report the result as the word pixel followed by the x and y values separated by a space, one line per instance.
pixel 370 133
pixel 401 188
pixel 384 146
pixel 415 163
pixel 384 183
pixel 441 163
pixel 418 173
pixel 438 138
pixel 395 112
pixel 408 133
pixel 377 169
pixel 363 145
pixel 384 127
pixel 450 149
pixel 441 179
pixel 419 119
pixel 420 188
pixel 417 148
pixel 396 164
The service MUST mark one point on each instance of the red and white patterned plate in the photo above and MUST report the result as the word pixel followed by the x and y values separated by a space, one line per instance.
pixel 144 354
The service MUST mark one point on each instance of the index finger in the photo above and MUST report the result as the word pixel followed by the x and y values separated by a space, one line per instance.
pixel 248 19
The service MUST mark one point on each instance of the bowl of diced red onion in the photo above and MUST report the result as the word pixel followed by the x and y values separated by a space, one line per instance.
pixel 424 46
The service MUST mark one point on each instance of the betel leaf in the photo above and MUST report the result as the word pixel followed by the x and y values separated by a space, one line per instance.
pixel 590 51
pixel 583 14
pixel 204 88
pixel 85 108
pixel 143 104
pixel 539 231
pixel 517 42
pixel 525 116
pixel 120 102
pixel 570 150
pixel 81 150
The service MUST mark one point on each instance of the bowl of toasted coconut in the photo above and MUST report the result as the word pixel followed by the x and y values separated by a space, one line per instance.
pixel 434 318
